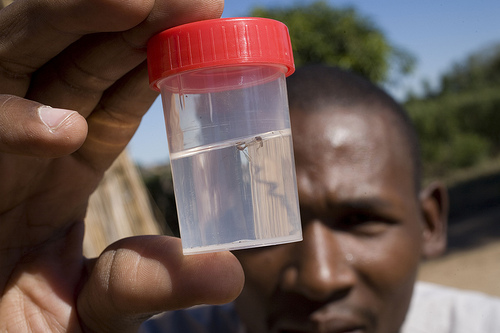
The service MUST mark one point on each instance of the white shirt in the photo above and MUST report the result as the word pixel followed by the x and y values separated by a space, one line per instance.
pixel 439 309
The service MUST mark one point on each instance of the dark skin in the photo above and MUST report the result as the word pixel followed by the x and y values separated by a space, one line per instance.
pixel 86 58
pixel 365 231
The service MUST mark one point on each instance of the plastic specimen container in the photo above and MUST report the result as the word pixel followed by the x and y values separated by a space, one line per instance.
pixel 223 90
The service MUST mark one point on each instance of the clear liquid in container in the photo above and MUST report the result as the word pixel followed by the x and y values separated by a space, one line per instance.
pixel 237 194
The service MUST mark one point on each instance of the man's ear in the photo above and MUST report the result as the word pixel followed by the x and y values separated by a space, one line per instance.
pixel 434 204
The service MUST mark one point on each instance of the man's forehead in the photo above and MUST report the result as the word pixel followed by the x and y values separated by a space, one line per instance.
pixel 343 133
pixel 350 154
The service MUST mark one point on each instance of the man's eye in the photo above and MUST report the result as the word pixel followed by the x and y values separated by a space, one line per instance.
pixel 366 224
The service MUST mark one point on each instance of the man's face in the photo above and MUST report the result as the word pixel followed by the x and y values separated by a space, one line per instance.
pixel 362 227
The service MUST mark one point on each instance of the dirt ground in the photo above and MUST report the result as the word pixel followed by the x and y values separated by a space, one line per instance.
pixel 473 257
pixel 475 269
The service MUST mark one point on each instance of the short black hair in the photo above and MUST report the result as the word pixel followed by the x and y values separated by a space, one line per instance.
pixel 313 87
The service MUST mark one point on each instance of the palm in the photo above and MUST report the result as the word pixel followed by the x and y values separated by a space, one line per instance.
pixel 46 208
pixel 39 295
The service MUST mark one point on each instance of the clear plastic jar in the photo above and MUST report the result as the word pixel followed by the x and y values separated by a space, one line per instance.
pixel 224 96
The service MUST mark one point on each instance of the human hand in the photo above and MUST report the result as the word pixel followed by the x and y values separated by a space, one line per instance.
pixel 86 59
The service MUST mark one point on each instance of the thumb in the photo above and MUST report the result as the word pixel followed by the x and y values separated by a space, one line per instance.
pixel 141 276
pixel 33 129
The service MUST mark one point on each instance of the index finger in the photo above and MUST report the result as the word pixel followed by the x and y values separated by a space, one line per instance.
pixel 33 32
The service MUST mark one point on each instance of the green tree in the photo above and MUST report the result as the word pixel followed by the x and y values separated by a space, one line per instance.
pixel 458 122
pixel 340 37
pixel 479 70
pixel 452 135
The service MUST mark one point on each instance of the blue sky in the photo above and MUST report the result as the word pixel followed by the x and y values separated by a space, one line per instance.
pixel 437 33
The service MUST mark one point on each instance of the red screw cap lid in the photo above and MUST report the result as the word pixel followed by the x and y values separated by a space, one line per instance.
pixel 219 43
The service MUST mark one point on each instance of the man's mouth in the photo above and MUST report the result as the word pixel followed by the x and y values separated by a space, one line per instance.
pixel 329 318
pixel 348 330
pixel 332 325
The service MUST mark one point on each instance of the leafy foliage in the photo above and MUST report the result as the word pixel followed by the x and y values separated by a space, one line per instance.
pixel 481 69
pixel 340 37
pixel 458 124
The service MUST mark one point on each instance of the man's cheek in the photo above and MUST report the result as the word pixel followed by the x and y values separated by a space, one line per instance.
pixel 392 262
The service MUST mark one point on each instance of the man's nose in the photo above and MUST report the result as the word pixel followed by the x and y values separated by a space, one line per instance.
pixel 321 268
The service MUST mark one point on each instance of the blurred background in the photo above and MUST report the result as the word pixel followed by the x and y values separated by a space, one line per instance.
pixel 441 60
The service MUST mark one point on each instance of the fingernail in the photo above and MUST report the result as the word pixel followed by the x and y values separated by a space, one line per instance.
pixel 53 117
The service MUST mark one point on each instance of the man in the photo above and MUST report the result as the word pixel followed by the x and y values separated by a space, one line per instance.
pixel 366 223
pixel 365 226
pixel 87 60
